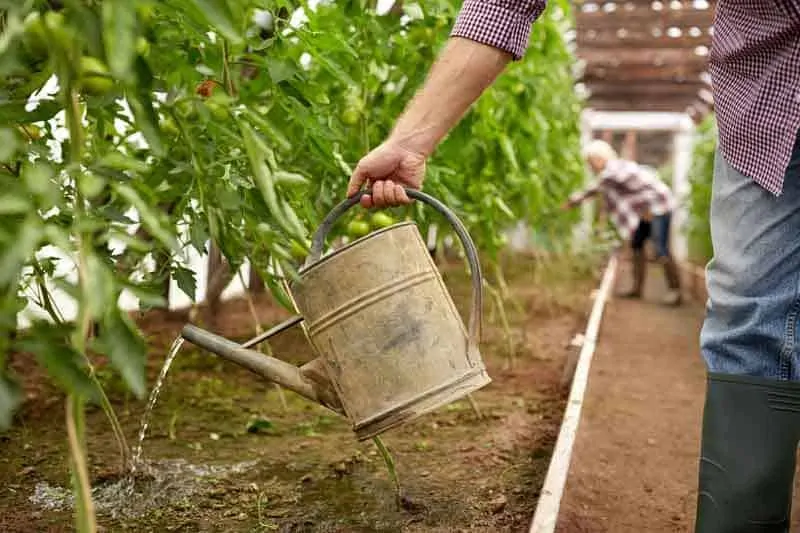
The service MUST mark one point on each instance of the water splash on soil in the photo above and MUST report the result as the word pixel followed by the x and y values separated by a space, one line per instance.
pixel 166 482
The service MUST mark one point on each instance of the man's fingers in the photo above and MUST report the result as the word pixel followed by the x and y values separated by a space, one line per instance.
pixel 356 180
pixel 402 197
pixel 379 193
pixel 390 193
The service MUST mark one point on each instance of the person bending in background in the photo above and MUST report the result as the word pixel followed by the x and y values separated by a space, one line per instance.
pixel 640 205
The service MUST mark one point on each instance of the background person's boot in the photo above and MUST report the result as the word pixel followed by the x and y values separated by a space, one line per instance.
pixel 751 427
pixel 639 261
pixel 673 296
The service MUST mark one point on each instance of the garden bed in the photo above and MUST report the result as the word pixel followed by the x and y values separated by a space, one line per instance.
pixel 227 457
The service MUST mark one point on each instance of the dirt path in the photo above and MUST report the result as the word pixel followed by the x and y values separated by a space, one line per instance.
pixel 634 466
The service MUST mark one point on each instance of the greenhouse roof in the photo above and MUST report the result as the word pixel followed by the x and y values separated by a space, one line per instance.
pixel 643 55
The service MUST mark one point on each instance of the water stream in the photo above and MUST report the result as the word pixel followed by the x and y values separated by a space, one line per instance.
pixel 151 402
pixel 165 480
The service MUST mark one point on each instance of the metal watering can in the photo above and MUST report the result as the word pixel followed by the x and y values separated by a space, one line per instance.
pixel 389 341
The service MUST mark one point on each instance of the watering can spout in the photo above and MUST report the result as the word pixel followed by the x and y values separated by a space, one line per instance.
pixel 309 380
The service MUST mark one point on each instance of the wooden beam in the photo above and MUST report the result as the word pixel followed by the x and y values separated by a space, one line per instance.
pixel 643 16
pixel 632 4
pixel 613 90
pixel 622 120
pixel 642 57
pixel 675 105
pixel 642 37
pixel 629 145
pixel 639 73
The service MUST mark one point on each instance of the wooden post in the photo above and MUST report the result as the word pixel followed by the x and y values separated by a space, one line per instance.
pixel 219 275
pixel 629 146
pixel 682 160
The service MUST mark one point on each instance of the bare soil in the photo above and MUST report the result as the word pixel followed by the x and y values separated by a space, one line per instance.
pixel 634 466
pixel 635 462
pixel 302 470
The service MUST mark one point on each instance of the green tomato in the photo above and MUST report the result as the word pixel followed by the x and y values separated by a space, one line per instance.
pixel 381 220
pixel 54 20
pixel 357 228
pixel 350 116
pixel 218 111
pixel 91 185
pixel 169 127
pixel 186 109
pixel 94 76
pixel 145 12
pixel 35 39
pixel 142 46
pixel 518 88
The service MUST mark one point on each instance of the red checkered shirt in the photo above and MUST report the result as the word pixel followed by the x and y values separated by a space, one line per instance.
pixel 754 66
pixel 630 191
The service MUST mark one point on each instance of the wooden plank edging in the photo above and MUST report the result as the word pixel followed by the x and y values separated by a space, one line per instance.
pixel 547 508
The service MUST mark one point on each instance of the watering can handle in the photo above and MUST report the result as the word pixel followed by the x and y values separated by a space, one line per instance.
pixel 474 328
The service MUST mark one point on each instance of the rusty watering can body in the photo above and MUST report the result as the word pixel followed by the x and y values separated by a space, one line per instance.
pixel 391 345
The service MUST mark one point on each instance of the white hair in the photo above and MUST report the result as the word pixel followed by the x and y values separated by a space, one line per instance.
pixel 600 149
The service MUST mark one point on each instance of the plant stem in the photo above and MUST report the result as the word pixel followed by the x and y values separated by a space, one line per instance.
pixel 105 403
pixel 73 120
pixel 503 321
pixel 251 306
pixel 475 408
pixel 227 80
pixel 390 466
pixel 502 285
pixel 84 507
pixel 48 304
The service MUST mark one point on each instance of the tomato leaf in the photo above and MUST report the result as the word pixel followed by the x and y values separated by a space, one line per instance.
pixel 126 349
pixel 141 104
pixel 14 111
pixel 186 281
pixel 151 219
pixel 99 287
pixel 119 36
pixel 21 250
pixel 218 14
pixel 10 398
pixel 64 364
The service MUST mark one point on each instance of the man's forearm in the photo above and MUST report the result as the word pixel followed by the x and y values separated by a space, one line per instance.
pixel 462 72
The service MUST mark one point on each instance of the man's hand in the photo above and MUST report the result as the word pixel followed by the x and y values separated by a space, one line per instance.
pixel 461 73
pixel 387 170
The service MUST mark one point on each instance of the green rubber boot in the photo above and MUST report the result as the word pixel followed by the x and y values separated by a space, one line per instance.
pixel 751 427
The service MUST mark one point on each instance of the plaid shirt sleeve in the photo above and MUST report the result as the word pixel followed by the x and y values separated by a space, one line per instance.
pixel 503 24
pixel 591 190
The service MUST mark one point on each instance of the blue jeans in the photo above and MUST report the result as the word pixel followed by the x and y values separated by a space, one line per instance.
pixel 658 229
pixel 753 280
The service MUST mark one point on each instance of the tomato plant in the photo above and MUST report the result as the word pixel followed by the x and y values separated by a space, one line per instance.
pixel 134 131
pixel 701 176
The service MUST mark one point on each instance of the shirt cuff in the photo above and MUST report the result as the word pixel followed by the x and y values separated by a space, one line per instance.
pixel 496 25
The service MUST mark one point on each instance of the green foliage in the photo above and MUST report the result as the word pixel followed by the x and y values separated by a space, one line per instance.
pixel 189 122
pixel 702 172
